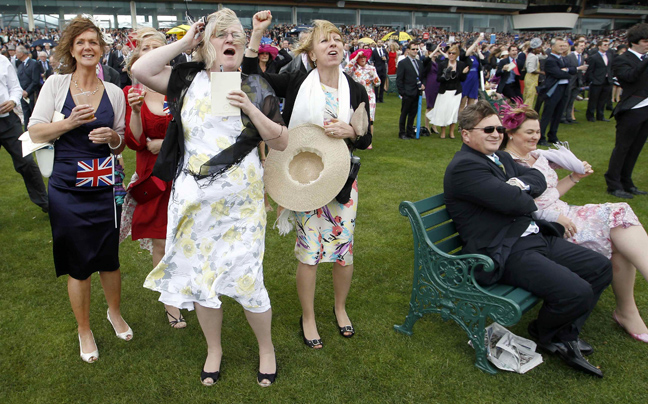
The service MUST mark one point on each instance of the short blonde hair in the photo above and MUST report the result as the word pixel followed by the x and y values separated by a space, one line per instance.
pixel 454 48
pixel 320 27
pixel 140 36
pixel 216 22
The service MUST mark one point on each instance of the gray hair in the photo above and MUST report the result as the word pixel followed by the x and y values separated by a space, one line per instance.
pixel 22 49
pixel 216 22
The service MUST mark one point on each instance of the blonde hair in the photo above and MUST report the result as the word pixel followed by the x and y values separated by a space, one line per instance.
pixel 140 36
pixel 454 48
pixel 320 28
pixel 217 22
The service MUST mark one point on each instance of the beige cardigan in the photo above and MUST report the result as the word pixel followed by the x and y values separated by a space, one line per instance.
pixel 54 92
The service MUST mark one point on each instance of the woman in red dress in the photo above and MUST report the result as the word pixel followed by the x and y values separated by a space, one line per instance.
pixel 392 61
pixel 147 119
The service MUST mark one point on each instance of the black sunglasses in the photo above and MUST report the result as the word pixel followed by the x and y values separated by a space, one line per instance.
pixel 491 129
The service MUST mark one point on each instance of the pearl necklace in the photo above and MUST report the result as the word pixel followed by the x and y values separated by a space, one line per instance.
pixel 81 90
pixel 518 156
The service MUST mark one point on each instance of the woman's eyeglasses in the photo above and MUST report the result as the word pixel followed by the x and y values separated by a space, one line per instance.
pixel 236 35
pixel 491 129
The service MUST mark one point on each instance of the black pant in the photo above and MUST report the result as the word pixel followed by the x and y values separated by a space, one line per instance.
pixel 409 108
pixel 631 135
pixel 511 91
pixel 599 96
pixel 553 107
pixel 569 278
pixel 10 131
pixel 27 108
pixel 572 93
pixel 380 90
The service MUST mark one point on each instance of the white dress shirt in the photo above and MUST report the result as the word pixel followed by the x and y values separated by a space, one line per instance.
pixel 9 85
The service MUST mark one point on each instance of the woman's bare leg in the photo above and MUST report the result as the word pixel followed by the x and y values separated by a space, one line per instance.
pixel 79 293
pixel 211 322
pixel 158 253
pixel 341 284
pixel 111 283
pixel 261 324
pixel 306 281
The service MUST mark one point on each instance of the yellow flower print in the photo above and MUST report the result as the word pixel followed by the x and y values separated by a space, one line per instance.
pixel 219 209
pixel 186 290
pixel 256 190
pixel 220 271
pixel 196 161
pixel 245 284
pixel 158 272
pixel 223 143
pixel 206 247
pixel 203 107
pixel 252 174
pixel 232 235
pixel 248 210
pixel 188 247
pixel 185 226
pixel 236 175
pixel 190 208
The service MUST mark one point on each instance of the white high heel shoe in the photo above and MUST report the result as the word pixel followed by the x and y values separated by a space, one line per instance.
pixel 88 357
pixel 126 335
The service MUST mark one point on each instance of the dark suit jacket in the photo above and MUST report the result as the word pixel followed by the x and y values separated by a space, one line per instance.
pixel 597 72
pixel 111 75
pixel 632 74
pixel 378 62
pixel 115 61
pixel 406 78
pixel 554 73
pixel 490 214
pixel 29 76
pixel 181 58
pixel 46 72
pixel 504 75
pixel 577 79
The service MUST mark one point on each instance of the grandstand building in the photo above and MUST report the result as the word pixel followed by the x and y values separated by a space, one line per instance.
pixel 578 16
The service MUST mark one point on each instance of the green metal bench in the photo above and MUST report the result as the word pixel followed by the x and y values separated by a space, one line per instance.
pixel 444 282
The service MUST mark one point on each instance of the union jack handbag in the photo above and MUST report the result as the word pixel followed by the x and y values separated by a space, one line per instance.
pixel 96 172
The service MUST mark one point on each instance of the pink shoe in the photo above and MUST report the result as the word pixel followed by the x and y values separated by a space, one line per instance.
pixel 639 337
pixel 370 147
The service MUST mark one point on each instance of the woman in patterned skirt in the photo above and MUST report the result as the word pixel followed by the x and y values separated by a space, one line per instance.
pixel 611 229
pixel 216 216
pixel 324 234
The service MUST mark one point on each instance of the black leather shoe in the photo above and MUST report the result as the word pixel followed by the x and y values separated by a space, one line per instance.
pixel 585 348
pixel 620 194
pixel 572 355
pixel 564 121
pixel 591 120
pixel 573 121
pixel 543 142
pixel 635 191
pixel 403 136
pixel 603 120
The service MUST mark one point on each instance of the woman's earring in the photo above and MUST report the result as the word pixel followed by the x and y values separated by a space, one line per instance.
pixel 510 137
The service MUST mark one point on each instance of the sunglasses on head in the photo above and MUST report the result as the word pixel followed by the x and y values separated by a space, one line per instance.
pixel 491 129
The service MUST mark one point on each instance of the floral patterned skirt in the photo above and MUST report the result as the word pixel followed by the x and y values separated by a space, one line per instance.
pixel 326 234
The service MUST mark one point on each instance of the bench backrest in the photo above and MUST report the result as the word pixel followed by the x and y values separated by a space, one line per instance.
pixel 439 227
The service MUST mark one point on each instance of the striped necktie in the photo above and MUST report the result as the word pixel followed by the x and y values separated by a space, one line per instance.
pixel 498 162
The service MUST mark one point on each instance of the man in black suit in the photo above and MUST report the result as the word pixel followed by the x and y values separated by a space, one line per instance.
pixel 509 74
pixel 181 58
pixel 577 60
pixel 29 77
pixel 490 199
pixel 379 60
pixel 409 81
pixel 553 90
pixel 11 49
pixel 45 68
pixel 631 113
pixel 599 75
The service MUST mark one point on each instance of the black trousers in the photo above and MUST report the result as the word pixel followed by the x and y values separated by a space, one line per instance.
pixel 380 90
pixel 27 108
pixel 511 91
pixel 407 119
pixel 572 93
pixel 10 131
pixel 631 135
pixel 569 278
pixel 599 96
pixel 553 108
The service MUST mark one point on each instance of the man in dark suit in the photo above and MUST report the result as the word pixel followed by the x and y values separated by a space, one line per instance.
pixel 29 77
pixel 631 113
pixel 490 198
pixel 577 60
pixel 379 60
pixel 599 76
pixel 181 58
pixel 553 90
pixel 45 68
pixel 12 55
pixel 409 81
pixel 509 74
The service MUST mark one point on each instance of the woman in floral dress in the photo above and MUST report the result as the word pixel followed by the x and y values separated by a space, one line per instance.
pixel 216 217
pixel 364 74
pixel 611 229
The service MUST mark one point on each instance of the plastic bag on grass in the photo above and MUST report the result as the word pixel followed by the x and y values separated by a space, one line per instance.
pixel 510 352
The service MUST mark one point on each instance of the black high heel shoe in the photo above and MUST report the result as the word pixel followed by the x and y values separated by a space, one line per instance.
pixel 266 376
pixel 346 328
pixel 311 343
pixel 209 375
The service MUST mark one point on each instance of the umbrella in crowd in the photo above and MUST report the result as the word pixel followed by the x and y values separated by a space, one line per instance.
pixel 402 36
pixel 42 42
pixel 180 29
pixel 366 40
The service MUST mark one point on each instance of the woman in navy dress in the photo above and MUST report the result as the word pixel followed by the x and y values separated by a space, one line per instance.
pixel 471 85
pixel 431 83
pixel 83 212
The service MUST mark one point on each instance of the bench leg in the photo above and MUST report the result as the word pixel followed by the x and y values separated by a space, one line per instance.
pixel 407 326
pixel 477 340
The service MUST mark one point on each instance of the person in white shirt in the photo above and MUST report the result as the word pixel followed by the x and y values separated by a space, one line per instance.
pixel 10 131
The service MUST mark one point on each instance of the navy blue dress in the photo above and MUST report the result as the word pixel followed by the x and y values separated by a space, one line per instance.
pixel 84 220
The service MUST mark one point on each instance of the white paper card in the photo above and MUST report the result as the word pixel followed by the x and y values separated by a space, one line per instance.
pixel 222 83
pixel 28 146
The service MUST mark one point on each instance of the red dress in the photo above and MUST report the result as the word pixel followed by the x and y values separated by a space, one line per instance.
pixel 150 218
pixel 391 63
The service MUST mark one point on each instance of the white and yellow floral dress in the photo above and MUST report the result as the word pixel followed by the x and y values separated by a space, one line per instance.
pixel 216 227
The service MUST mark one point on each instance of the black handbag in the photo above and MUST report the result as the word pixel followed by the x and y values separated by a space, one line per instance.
pixel 345 194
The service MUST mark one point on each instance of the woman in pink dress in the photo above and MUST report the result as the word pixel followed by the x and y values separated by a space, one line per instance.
pixel 611 229
pixel 365 74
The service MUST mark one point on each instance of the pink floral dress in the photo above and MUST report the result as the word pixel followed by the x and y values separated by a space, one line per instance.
pixel 367 76
pixel 593 221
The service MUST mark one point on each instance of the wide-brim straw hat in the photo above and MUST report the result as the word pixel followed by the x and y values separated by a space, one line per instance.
pixel 310 172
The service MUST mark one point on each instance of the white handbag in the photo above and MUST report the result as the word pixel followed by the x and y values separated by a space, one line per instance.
pixel 44 152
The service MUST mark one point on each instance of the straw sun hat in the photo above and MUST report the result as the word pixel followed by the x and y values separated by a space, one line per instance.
pixel 310 172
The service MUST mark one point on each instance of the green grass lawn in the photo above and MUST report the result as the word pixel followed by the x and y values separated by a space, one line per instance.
pixel 40 355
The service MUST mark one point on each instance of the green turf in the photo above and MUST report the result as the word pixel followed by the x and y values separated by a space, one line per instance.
pixel 40 356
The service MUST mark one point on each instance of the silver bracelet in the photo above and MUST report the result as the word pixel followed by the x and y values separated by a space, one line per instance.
pixel 121 140
pixel 253 50
pixel 573 180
